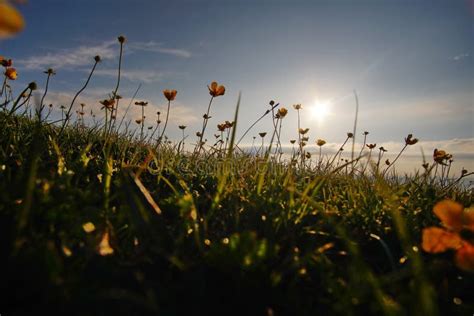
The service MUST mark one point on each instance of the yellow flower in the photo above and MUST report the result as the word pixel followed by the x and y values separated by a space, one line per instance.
pixel 282 112
pixel 320 142
pixel 11 73
pixel 104 248
pixel 11 21
pixel 170 95
pixel 88 227
pixel 455 219
pixel 215 90
pixel 303 130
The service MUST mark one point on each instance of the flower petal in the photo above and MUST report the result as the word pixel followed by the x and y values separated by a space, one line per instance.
pixel 465 257
pixel 436 240
pixel 450 213
pixel 469 218
pixel 11 20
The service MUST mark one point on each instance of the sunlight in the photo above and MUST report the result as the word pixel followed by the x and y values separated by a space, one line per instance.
pixel 320 110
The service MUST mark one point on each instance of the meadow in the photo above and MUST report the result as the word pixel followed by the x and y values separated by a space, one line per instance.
pixel 115 218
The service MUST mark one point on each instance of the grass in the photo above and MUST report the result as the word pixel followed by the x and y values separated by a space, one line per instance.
pixel 214 230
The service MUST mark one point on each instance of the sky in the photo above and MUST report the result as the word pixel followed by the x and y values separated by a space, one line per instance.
pixel 410 62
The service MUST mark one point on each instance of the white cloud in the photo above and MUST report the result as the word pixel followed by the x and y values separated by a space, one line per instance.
pixel 460 57
pixel 81 56
pixel 146 76
pixel 156 47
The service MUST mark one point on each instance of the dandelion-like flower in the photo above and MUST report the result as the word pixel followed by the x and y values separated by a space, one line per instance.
pixel 141 103
pixel 456 221
pixel 320 142
pixel 50 71
pixel 11 73
pixel 121 39
pixel 182 126
pixel 440 156
pixel 108 103
pixel 282 112
pixel 11 21
pixel 170 95
pixel 297 106
pixel 350 135
pixel 5 62
pixel 371 146
pixel 409 140
pixel 262 134
pixel 216 90
pixel 303 131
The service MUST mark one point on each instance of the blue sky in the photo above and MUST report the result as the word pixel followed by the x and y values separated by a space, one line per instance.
pixel 411 62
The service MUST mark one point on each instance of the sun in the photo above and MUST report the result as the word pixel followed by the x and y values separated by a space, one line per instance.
pixel 320 110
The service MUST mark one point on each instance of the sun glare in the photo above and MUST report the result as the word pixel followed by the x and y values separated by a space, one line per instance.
pixel 321 110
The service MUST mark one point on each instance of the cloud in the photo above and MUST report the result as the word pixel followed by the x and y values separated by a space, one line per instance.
pixel 460 57
pixel 156 47
pixel 81 56
pixel 69 58
pixel 146 76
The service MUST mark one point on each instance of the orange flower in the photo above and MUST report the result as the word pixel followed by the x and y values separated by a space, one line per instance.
pixel 215 90
pixel 170 95
pixel 5 62
pixel 104 248
pixel 11 73
pixel 11 21
pixel 282 112
pixel 109 104
pixel 440 156
pixel 455 219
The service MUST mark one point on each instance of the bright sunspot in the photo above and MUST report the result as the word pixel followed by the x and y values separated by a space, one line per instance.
pixel 320 110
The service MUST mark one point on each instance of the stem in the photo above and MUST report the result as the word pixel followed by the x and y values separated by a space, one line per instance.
pixel 44 94
pixel 166 123
pixel 204 124
pixel 68 114
pixel 254 123
pixel 396 158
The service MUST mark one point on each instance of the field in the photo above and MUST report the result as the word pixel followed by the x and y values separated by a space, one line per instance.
pixel 118 219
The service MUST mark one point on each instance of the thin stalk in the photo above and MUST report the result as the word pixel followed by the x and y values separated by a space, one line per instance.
pixel 68 113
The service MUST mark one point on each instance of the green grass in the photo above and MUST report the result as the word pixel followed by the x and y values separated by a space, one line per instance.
pixel 190 233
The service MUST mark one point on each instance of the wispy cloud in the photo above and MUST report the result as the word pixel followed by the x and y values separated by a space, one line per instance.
pixel 146 76
pixel 69 58
pixel 81 56
pixel 156 47
pixel 460 57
